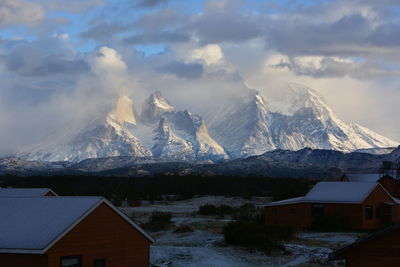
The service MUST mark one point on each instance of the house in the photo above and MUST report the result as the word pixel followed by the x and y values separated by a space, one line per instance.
pixel 380 249
pixel 361 177
pixel 391 184
pixel 69 231
pixel 27 192
pixel 365 205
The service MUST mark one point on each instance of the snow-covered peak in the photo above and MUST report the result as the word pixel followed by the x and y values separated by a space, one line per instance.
pixel 123 113
pixel 155 106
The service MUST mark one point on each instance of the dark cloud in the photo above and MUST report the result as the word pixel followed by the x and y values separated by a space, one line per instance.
pixel 226 27
pixel 334 68
pixel 183 70
pixel 158 37
pixel 150 3
pixel 103 31
pixel 28 61
pixel 350 36
pixel 42 58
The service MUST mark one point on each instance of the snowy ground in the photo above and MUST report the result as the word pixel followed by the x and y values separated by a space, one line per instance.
pixel 205 245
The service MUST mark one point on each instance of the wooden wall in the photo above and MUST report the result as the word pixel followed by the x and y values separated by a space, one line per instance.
pixel 103 234
pixel 355 212
pixel 380 252
pixel 22 260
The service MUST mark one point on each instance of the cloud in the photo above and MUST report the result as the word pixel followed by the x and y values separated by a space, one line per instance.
pixel 150 3
pixel 157 38
pixel 103 31
pixel 183 70
pixel 14 12
pixel 75 6
pixel 215 27
pixel 44 58
pixel 210 54
pixel 333 67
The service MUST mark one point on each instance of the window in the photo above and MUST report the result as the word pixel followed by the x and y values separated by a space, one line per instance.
pixel 317 210
pixel 71 261
pixel 100 263
pixel 369 212
pixel 292 211
pixel 274 211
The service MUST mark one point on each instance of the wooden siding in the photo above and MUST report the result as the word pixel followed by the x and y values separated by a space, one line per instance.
pixel 380 252
pixel 284 215
pixel 23 260
pixel 103 234
pixel 303 217
pixel 375 199
pixel 50 194
pixel 354 212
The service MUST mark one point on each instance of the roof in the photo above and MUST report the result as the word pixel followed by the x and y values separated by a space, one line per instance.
pixel 341 252
pixel 287 201
pixel 350 192
pixel 24 192
pixel 363 177
pixel 33 225
pixel 333 192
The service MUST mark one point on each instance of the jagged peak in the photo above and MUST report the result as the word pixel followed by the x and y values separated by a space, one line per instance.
pixel 155 106
pixel 160 102
pixel 123 111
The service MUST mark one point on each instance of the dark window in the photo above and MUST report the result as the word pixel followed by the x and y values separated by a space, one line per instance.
pixel 369 212
pixel 274 211
pixel 100 263
pixel 292 211
pixel 71 261
pixel 317 210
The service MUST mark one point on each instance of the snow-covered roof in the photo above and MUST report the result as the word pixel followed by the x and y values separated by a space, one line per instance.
pixel 333 192
pixel 337 192
pixel 286 201
pixel 33 225
pixel 363 177
pixel 24 192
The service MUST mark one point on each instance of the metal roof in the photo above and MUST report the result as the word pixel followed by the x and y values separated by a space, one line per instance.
pixel 33 225
pixel 24 192
pixel 363 177
pixel 333 192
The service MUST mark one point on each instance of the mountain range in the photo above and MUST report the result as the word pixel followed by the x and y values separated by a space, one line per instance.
pixel 246 127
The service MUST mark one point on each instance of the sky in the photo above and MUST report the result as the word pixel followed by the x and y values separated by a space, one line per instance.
pixel 63 61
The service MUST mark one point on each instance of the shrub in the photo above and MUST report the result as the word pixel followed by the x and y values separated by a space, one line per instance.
pixel 159 221
pixel 256 236
pixel 334 223
pixel 224 210
pixel 246 212
pixel 208 209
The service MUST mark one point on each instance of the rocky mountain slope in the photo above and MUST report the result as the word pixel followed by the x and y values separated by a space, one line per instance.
pixel 307 163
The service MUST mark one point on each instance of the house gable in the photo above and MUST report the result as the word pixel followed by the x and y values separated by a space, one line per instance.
pixel 103 233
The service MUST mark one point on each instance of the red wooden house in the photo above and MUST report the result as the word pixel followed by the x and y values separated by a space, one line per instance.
pixel 27 192
pixel 380 249
pixel 391 184
pixel 69 232
pixel 365 205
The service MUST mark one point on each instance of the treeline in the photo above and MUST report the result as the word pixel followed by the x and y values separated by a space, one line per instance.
pixel 153 188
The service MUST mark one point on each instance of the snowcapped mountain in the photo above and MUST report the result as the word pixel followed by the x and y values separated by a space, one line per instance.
pixel 303 119
pixel 244 127
pixel 178 134
pixel 106 137
pixel 160 132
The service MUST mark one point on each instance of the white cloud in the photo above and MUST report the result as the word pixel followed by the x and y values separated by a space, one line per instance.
pixel 210 54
